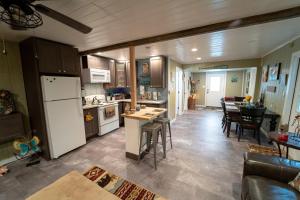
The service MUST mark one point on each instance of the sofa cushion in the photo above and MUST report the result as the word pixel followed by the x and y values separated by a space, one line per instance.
pixel 260 188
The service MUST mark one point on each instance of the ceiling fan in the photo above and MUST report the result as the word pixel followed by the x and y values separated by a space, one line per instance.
pixel 23 14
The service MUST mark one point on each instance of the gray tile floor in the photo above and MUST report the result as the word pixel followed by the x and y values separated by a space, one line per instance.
pixel 203 164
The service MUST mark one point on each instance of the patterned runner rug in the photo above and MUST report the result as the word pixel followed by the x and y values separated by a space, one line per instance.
pixel 118 186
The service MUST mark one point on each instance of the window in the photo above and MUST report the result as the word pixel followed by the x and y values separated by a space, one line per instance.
pixel 215 83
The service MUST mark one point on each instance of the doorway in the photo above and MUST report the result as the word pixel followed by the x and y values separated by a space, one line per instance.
pixel 296 101
pixel 179 91
pixel 215 88
pixel 291 106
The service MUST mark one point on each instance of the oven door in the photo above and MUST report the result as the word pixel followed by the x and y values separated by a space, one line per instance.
pixel 106 115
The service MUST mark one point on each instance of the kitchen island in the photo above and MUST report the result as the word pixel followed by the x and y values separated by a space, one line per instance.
pixel 133 124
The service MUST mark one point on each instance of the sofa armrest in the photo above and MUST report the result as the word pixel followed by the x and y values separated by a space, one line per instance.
pixel 271 167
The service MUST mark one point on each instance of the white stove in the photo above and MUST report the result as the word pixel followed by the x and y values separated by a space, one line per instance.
pixel 108 113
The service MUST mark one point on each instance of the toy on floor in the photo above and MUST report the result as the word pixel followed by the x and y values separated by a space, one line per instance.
pixel 3 170
pixel 28 148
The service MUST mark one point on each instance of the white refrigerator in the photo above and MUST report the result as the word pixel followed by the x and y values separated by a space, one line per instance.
pixel 64 113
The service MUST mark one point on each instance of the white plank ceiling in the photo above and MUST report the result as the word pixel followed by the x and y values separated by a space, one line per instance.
pixel 115 21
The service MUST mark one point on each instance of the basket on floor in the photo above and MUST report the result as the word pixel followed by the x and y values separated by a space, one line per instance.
pixel 263 150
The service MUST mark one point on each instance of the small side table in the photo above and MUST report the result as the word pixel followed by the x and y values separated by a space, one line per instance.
pixel 291 143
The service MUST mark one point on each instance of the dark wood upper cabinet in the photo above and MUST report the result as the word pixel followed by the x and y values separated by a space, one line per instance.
pixel 128 74
pixel 157 72
pixel 70 60
pixel 56 58
pixel 91 61
pixel 48 55
pixel 112 68
pixel 120 74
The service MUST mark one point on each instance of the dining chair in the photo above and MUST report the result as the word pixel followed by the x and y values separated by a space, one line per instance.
pixel 228 118
pixel 239 99
pixel 251 119
pixel 224 115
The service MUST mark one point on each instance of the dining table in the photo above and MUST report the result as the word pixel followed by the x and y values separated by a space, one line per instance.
pixel 233 107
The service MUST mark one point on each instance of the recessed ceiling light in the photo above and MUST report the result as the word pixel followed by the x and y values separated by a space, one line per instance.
pixel 98 53
pixel 199 58
pixel 194 49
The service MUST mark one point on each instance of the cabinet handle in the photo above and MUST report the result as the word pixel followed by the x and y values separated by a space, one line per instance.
pixel 59 70
pixel 65 71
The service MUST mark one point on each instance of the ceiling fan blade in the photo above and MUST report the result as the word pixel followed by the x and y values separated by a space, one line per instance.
pixel 62 18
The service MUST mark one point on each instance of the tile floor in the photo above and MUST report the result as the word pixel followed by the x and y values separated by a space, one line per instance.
pixel 203 164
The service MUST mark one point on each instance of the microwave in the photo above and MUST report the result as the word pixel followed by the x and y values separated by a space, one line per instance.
pixel 90 75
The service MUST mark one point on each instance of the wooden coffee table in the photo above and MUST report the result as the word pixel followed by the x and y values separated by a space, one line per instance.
pixel 291 143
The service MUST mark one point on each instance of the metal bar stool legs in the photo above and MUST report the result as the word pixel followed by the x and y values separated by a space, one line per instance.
pixel 165 122
pixel 153 130
pixel 170 134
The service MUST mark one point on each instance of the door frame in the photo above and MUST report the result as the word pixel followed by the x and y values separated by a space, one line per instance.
pixel 206 83
pixel 179 108
pixel 291 86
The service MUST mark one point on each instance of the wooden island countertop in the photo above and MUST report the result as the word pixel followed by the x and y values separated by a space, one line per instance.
pixel 148 113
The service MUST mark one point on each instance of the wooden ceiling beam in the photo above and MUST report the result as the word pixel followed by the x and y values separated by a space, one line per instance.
pixel 221 26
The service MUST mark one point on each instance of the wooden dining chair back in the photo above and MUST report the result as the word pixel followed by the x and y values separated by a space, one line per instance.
pixel 224 119
pixel 239 99
pixel 253 115
pixel 252 119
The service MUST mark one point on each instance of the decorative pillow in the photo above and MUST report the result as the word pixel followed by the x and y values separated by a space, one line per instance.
pixel 296 182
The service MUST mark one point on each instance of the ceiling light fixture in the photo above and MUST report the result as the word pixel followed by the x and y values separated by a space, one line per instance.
pixel 199 58
pixel 98 53
pixel 194 49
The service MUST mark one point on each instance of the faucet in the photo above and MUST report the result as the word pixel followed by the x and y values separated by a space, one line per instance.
pixel 94 99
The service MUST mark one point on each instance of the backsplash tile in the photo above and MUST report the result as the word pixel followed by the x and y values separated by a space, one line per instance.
pixel 93 89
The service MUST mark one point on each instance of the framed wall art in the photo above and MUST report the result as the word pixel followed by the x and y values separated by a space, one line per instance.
pixel 146 69
pixel 274 72
pixel 265 73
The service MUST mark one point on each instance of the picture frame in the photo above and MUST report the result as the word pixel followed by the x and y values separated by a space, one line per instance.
pixel 234 79
pixel 146 69
pixel 265 73
pixel 247 87
pixel 271 89
pixel 274 72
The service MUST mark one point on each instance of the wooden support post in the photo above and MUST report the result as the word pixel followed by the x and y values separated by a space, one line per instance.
pixel 133 77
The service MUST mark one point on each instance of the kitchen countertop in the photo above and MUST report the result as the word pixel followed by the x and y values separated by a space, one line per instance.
pixel 139 101
pixel 148 113
pixel 88 106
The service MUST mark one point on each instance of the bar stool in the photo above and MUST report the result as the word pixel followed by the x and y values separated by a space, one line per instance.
pixel 152 130
pixel 164 122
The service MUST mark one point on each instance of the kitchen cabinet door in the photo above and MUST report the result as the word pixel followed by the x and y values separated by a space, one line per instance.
pixel 128 74
pixel 70 60
pixel 91 61
pixel 120 75
pixel 91 122
pixel 121 111
pixel 112 68
pixel 157 72
pixel 48 55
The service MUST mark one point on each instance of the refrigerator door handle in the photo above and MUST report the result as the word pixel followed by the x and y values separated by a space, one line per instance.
pixel 80 108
